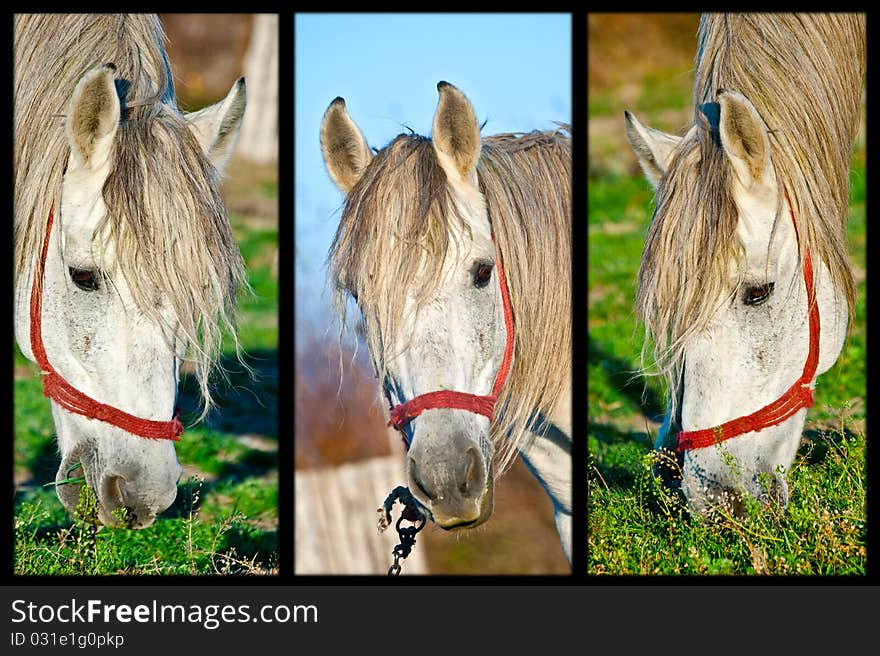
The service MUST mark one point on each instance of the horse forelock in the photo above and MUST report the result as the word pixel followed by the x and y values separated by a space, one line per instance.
pixel 164 212
pixel 401 218
pixel 803 74
pixel 171 231
pixel 690 244
pixel 393 237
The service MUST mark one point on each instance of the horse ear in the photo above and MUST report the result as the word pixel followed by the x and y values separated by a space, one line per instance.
pixel 346 153
pixel 216 127
pixel 653 148
pixel 744 139
pixel 456 134
pixel 93 117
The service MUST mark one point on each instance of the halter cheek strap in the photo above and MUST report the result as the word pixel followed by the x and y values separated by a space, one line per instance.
pixel 799 395
pixel 404 413
pixel 65 394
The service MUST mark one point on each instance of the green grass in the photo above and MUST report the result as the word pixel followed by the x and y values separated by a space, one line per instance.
pixel 225 518
pixel 635 526
pixel 638 527
pixel 661 90
pixel 49 543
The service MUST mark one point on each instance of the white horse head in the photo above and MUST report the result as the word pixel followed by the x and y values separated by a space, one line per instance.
pixel 754 340
pixel 445 330
pixel 751 196
pixel 118 336
pixel 755 344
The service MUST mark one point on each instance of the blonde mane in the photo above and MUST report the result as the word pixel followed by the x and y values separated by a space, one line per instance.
pixel 165 215
pixel 395 232
pixel 803 74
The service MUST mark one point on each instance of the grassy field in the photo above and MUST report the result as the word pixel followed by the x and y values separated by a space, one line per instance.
pixel 225 518
pixel 634 526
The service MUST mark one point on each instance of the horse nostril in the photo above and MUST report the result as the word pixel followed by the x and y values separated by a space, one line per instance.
pixel 113 490
pixel 472 481
pixel 417 482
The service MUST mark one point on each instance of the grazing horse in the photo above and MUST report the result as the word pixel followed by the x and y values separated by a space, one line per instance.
pixel 125 263
pixel 457 252
pixel 745 284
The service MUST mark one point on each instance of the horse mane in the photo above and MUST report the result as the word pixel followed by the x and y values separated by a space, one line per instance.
pixel 803 73
pixel 526 181
pixel 165 215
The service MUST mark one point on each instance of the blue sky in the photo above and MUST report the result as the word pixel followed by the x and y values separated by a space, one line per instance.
pixel 514 68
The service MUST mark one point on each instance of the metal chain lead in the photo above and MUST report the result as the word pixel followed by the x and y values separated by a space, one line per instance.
pixel 414 512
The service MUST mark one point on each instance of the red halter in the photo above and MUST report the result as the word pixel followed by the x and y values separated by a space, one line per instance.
pixel 402 414
pixel 65 394
pixel 799 395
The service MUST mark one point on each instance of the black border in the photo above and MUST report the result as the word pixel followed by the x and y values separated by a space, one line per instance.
pixel 579 168
pixel 7 541
pixel 579 577
pixel 286 287
pixel 872 460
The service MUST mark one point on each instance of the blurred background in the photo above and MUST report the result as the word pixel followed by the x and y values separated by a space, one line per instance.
pixel 225 518
pixel 644 63
pixel 516 70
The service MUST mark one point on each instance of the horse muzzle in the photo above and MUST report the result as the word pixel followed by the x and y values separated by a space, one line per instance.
pixel 125 496
pixel 714 492
pixel 449 475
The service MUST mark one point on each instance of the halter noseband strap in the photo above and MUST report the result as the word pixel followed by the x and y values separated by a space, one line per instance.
pixel 65 394
pixel 405 412
pixel 799 395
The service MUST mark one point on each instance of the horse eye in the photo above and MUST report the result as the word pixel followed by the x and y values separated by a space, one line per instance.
pixel 757 294
pixel 85 279
pixel 482 275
